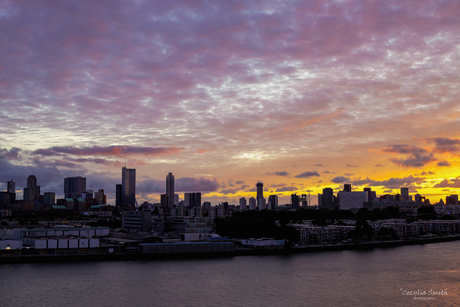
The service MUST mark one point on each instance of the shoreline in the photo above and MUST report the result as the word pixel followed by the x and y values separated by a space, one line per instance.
pixel 238 251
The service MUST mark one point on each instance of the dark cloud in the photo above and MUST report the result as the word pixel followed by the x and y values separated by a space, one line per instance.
pixel 287 189
pixel 444 163
pixel 340 179
pixel 319 165
pixel 12 154
pixel 307 174
pixel 108 151
pixel 404 149
pixel 448 183
pixel 282 173
pixel 351 165
pixel 366 181
pixel 395 183
pixel 417 156
pixel 184 184
pixel 239 182
pixel 229 191
pixel 191 184
pixel 379 165
pixel 446 145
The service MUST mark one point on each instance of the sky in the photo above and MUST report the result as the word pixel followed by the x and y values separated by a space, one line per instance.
pixel 301 95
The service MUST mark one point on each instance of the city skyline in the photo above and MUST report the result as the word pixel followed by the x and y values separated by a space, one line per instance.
pixel 302 96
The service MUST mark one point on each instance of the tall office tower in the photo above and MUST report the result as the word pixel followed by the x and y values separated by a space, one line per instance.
pixel 101 198
pixel 170 190
pixel 118 194
pixel 34 190
pixel 371 195
pixel 303 201
pixel 49 199
pixel 11 186
pixel 327 199
pixel 405 194
pixel 273 202
pixel 164 201
pixel 260 196
pixel 128 186
pixel 74 187
pixel 207 206
pixel 243 204
pixel 192 200
pixel 176 200
pixel 295 202
pixel 347 187
pixel 252 203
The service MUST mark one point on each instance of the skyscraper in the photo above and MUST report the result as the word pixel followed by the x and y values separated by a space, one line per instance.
pixel 11 186
pixel 405 194
pixel 170 190
pixel 74 187
pixel 260 196
pixel 32 191
pixel 128 186
pixel 243 205
pixel 273 202
pixel 192 200
pixel 327 199
pixel 118 195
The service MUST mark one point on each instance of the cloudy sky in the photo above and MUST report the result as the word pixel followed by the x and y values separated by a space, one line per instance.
pixel 302 95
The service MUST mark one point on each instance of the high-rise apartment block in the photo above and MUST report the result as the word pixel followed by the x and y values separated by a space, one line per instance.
pixel 243 204
pixel 260 196
pixel 170 190
pixel 128 186
pixel 272 202
pixel 192 200
pixel 74 187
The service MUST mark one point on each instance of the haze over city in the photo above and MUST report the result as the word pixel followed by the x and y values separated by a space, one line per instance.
pixel 302 95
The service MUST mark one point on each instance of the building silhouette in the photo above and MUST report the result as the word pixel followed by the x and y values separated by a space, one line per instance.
pixel 128 186
pixel 272 202
pixel 170 190
pixel 118 194
pixel 260 196
pixel 74 187
pixel 192 200
pixel 327 199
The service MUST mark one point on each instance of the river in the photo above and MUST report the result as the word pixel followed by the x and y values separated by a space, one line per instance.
pixel 415 275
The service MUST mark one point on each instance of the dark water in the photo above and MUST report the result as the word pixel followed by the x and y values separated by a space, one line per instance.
pixel 379 277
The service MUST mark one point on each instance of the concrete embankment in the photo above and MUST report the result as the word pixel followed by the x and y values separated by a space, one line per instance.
pixel 238 251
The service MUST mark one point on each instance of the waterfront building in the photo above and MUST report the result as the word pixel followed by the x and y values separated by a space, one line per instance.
pixel 170 190
pixel 137 221
pixel 128 186
pixel 74 187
